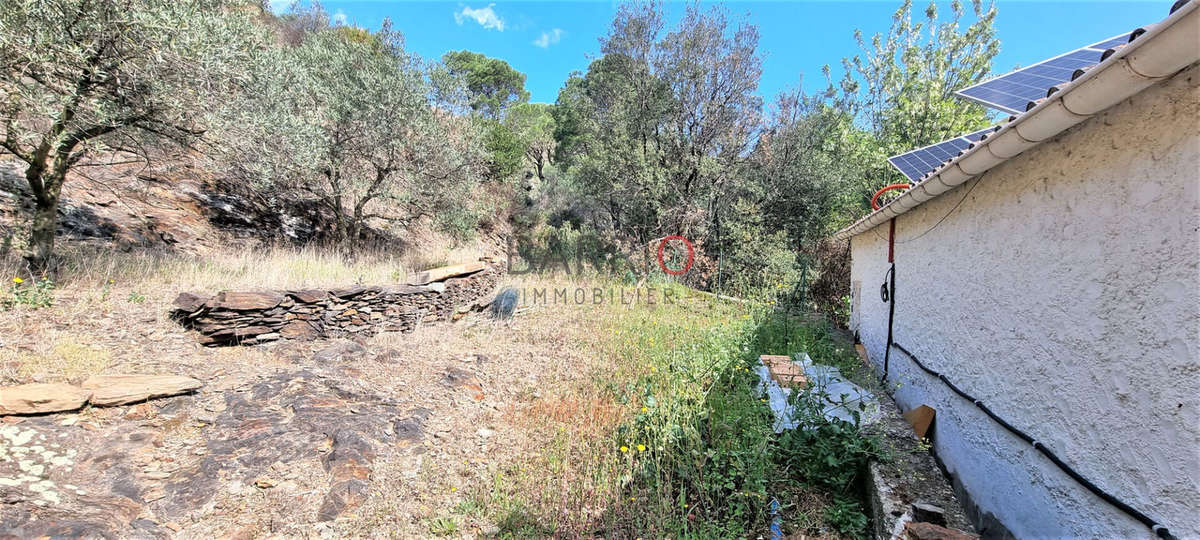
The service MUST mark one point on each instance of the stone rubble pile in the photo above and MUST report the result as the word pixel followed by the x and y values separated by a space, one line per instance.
pixel 249 317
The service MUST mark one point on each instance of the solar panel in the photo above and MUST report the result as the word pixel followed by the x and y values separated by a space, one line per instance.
pixel 916 163
pixel 1013 91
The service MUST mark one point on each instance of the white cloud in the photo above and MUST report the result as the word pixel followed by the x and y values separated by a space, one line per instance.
pixel 339 18
pixel 549 38
pixel 486 17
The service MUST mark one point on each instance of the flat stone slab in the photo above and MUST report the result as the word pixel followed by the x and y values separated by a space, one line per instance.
pixel 108 390
pixel 445 272
pixel 40 398
pixel 246 300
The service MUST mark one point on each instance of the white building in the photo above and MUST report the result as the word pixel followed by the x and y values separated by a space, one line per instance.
pixel 1052 272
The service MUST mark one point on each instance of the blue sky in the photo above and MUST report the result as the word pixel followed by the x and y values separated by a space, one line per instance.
pixel 549 40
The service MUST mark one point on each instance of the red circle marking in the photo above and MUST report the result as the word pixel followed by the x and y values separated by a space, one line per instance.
pixel 691 255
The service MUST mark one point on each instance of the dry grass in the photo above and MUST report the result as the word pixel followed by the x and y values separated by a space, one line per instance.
pixel 85 268
pixel 64 358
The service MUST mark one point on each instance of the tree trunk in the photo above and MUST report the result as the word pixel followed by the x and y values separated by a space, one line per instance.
pixel 45 224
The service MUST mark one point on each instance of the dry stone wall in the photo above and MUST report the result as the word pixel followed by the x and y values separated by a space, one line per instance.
pixel 249 317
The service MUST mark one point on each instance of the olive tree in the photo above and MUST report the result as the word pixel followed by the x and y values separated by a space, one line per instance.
pixel 346 119
pixel 534 124
pixel 82 76
pixel 660 124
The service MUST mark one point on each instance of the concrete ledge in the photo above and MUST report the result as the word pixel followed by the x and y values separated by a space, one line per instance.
pixel 910 488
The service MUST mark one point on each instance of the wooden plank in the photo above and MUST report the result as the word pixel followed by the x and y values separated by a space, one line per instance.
pixel 920 418
pixel 445 272
pixel 862 353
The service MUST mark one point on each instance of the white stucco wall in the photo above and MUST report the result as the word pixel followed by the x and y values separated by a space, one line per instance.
pixel 1064 292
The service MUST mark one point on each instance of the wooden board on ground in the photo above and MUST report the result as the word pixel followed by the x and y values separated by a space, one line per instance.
pixel 784 371
pixel 920 418
pixel 862 353
pixel 445 272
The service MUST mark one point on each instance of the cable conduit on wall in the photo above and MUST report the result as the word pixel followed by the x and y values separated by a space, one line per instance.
pixel 1157 528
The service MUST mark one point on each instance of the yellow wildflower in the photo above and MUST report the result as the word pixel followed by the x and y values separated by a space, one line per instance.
pixel 624 448
pixel 641 448
pixel 18 280
pixel 643 409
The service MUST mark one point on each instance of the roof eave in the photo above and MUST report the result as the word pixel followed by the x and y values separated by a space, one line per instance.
pixel 1162 51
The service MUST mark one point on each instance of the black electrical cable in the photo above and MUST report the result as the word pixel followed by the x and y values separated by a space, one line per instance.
pixel 888 293
pixel 1154 525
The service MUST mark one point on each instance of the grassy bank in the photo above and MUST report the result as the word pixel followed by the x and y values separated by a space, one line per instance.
pixel 666 436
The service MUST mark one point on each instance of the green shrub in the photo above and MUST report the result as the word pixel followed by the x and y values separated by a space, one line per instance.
pixel 830 455
pixel 38 294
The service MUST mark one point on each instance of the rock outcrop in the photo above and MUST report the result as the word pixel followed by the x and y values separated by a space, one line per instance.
pixel 143 471
pixel 249 317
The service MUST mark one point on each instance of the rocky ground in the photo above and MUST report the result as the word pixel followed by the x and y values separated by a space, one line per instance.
pixel 381 436
pixel 376 437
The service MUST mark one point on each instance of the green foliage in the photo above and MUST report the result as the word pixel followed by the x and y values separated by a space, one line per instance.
pixel 570 249
pixel 534 124
pixel 705 458
pixel 801 167
pixel 78 76
pixel 704 470
pixel 756 254
pixel 349 122
pixel 652 148
pixel 492 89
pixel 822 453
pixel 902 85
pixel 506 148
pixel 443 526
pixel 38 294
pixel 904 82
pixel 828 290
pixel 847 517
pixel 827 454
pixel 492 83
pixel 654 141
